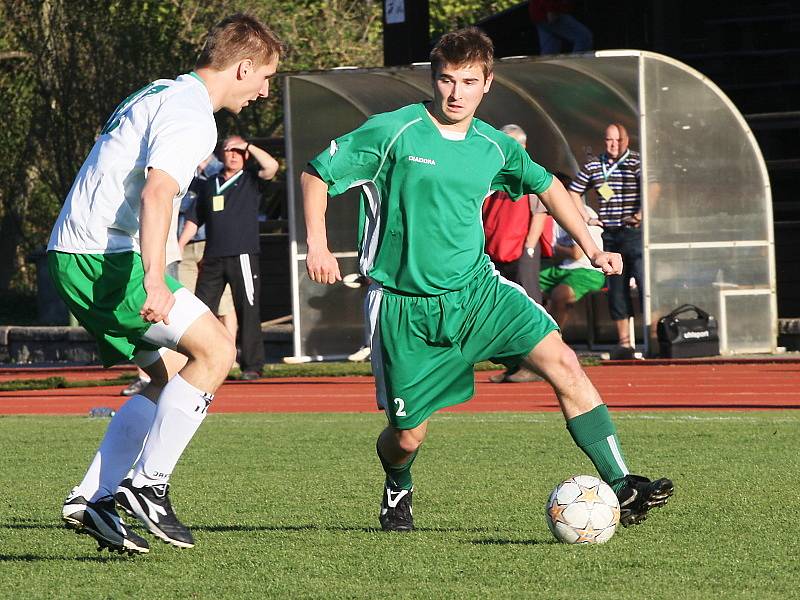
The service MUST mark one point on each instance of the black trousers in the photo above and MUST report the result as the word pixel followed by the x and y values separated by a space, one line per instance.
pixel 242 273
pixel 525 272
pixel 628 242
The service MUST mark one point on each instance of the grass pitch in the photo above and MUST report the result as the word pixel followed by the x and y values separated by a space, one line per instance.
pixel 285 506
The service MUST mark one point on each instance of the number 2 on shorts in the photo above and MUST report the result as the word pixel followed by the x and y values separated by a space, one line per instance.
pixel 401 407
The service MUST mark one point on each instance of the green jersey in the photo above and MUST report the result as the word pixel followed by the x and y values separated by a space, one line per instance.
pixel 420 217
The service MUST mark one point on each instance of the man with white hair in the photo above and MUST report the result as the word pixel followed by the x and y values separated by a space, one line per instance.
pixel 512 231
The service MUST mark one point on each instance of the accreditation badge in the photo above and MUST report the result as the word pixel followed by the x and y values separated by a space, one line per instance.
pixel 218 202
pixel 605 191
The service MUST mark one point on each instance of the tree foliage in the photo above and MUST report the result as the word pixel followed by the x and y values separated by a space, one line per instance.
pixel 65 65
pixel 446 15
pixel 74 62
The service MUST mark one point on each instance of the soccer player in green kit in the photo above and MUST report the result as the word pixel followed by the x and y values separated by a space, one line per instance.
pixel 437 305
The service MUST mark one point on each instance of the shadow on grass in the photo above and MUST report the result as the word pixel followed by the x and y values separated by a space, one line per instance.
pixel 503 542
pixel 279 528
pixel 218 528
pixel 345 529
pixel 41 558
pixel 33 526
pixel 99 558
pixel 234 528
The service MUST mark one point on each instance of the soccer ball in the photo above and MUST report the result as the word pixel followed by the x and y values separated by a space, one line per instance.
pixel 582 510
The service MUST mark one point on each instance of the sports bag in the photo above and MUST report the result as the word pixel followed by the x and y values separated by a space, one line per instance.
pixel 682 335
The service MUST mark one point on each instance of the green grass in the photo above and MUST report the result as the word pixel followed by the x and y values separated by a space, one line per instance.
pixel 48 383
pixel 285 506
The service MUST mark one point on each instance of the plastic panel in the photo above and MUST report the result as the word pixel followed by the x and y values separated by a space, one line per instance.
pixel 704 175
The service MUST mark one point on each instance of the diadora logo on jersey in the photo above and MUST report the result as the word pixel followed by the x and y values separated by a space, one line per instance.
pixel 424 161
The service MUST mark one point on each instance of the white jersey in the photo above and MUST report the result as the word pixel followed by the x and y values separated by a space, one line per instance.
pixel 167 125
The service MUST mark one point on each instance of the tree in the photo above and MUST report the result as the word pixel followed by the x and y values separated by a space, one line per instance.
pixel 447 15
pixel 64 66
pixel 67 67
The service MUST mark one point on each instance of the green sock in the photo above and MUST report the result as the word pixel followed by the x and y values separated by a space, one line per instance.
pixel 398 476
pixel 594 433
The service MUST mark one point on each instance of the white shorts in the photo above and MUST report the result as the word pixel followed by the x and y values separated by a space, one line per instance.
pixel 186 310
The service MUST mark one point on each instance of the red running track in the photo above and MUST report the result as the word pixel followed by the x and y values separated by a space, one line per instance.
pixel 638 385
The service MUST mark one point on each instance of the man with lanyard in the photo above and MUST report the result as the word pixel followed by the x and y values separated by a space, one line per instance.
pixel 436 305
pixel 228 207
pixel 106 256
pixel 193 244
pixel 615 175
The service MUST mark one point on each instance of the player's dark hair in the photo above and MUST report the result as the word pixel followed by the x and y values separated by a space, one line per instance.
pixel 236 38
pixel 468 46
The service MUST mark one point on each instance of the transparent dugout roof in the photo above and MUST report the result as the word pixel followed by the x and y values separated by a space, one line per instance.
pixel 707 224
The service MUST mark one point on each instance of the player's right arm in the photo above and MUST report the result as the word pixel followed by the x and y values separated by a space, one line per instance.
pixel 581 182
pixel 578 200
pixel 156 214
pixel 321 265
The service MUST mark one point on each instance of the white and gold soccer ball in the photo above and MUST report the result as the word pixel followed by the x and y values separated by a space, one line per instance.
pixel 583 510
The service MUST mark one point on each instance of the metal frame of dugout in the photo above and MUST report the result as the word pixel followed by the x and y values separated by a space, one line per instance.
pixel 707 212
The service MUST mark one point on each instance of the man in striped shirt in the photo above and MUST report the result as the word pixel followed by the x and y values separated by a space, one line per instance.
pixel 615 176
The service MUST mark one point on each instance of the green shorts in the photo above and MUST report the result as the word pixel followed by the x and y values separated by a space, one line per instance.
pixel 582 281
pixel 105 293
pixel 428 345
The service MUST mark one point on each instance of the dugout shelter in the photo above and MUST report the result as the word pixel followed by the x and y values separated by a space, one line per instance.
pixel 707 211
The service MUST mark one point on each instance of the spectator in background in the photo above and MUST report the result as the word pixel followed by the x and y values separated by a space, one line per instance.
pixel 228 206
pixel 616 177
pixel 574 277
pixel 512 231
pixel 173 260
pixel 192 241
pixel 555 25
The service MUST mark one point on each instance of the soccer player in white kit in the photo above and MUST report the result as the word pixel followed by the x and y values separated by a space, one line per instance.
pixel 106 256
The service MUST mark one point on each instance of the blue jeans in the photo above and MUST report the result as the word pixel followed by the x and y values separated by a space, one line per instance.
pixel 563 28
pixel 628 242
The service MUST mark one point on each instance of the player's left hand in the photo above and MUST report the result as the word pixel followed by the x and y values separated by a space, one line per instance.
pixel 609 262
pixel 158 303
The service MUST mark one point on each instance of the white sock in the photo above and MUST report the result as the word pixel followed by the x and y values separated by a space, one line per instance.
pixel 119 449
pixel 181 409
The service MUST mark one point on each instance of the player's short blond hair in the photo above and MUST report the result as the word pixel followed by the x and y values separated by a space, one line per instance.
pixel 236 38
pixel 467 46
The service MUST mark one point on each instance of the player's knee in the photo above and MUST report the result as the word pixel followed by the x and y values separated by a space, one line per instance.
pixel 226 355
pixel 410 440
pixel 216 353
pixel 563 294
pixel 565 362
